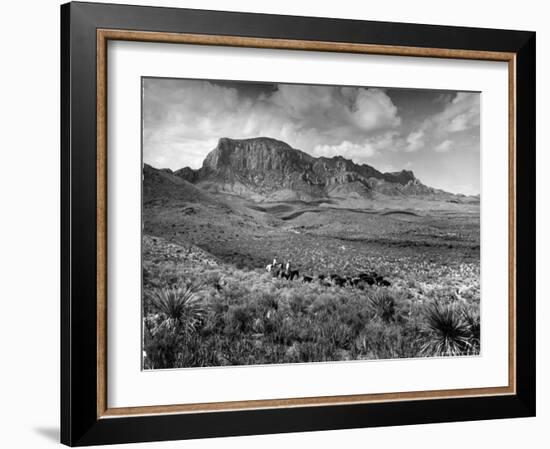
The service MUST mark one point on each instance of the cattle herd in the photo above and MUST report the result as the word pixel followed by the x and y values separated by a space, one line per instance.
pixel 333 280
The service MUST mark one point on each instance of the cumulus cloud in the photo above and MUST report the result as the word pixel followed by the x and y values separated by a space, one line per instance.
pixel 461 113
pixel 444 147
pixel 360 152
pixel 346 149
pixel 184 118
pixel 386 128
pixel 372 109
pixel 415 140
pixel 322 107
pixel 464 121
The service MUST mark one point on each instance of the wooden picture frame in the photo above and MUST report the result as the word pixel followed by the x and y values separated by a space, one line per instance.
pixel 85 417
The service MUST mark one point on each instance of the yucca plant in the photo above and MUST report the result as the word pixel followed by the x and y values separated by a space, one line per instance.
pixel 382 305
pixel 446 333
pixel 180 306
pixel 472 320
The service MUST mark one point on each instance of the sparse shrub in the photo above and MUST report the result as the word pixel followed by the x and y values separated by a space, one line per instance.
pixel 314 352
pixel 324 303
pixel 160 343
pixel 380 340
pixel 214 279
pixel 285 330
pixel 298 304
pixel 272 323
pixel 258 326
pixel 340 334
pixel 268 300
pixel 239 319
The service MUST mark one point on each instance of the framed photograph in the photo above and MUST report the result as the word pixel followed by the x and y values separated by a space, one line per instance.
pixel 282 224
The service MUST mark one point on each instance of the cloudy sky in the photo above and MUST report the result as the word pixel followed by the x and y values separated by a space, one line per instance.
pixel 434 133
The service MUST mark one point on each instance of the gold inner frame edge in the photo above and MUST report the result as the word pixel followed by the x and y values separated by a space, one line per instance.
pixel 104 35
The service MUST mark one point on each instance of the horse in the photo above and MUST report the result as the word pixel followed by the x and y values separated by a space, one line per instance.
pixel 293 274
pixel 278 270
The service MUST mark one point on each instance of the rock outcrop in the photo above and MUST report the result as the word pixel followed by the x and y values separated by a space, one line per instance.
pixel 266 168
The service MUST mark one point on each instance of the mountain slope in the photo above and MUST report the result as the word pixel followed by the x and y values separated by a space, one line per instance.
pixel 162 185
pixel 267 169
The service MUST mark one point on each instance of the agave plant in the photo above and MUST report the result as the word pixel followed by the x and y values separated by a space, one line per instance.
pixel 446 333
pixel 180 306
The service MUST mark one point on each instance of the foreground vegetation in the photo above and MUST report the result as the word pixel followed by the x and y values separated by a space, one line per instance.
pixel 199 311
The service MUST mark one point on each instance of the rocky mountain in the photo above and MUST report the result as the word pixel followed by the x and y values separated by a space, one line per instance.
pixel 265 168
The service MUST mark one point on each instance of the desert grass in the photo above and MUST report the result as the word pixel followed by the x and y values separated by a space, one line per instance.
pixel 198 315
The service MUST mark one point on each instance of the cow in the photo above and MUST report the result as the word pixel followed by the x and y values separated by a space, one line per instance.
pixel 367 278
pixel 351 281
pixel 339 281
pixel 306 279
pixel 323 280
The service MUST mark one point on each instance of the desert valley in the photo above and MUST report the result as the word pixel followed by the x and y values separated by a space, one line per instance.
pixel 386 266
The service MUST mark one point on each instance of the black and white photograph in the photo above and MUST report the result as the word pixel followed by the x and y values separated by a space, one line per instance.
pixel 292 223
pixel 275 224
